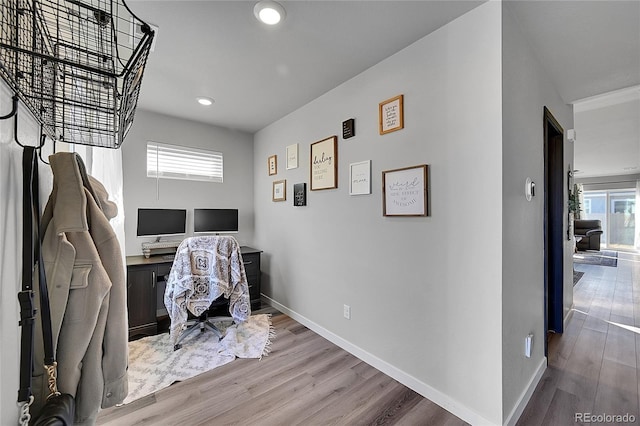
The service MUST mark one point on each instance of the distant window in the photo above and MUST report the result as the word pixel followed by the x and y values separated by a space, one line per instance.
pixel 587 206
pixel 181 162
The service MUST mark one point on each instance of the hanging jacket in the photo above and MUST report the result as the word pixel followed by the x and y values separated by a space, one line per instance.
pixel 87 290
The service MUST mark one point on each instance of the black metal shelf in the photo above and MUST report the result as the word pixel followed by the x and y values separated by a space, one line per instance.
pixel 76 64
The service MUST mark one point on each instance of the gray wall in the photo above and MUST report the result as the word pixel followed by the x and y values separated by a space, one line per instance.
pixel 11 243
pixel 425 292
pixel 526 90
pixel 142 192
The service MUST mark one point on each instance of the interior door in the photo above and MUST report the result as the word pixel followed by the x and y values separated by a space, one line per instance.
pixel 554 222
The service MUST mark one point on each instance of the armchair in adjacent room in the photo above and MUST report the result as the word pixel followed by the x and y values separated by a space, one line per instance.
pixel 588 232
pixel 207 272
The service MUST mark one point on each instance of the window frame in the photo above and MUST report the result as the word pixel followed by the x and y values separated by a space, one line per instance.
pixel 180 163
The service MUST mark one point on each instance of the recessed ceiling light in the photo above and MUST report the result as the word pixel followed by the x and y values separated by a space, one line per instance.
pixel 269 12
pixel 205 101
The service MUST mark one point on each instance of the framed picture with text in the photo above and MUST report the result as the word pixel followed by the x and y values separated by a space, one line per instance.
pixel 391 114
pixel 405 191
pixel 360 178
pixel 323 164
pixel 292 156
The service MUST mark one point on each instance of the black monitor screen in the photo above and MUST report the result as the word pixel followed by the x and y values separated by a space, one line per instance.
pixel 161 221
pixel 215 220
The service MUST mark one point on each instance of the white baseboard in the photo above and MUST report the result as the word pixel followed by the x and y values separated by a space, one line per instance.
pixel 567 317
pixel 409 381
pixel 526 395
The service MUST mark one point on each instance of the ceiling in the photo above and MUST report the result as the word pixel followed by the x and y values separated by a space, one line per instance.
pixel 258 74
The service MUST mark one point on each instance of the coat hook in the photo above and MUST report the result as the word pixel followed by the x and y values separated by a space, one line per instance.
pixel 14 108
pixel 43 139
pixel 15 132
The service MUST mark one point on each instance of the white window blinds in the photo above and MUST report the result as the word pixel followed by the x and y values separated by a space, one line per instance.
pixel 181 162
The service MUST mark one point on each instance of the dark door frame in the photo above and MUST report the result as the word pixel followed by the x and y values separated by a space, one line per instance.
pixel 553 224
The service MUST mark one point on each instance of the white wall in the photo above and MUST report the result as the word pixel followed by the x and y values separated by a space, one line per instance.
pixel 526 90
pixel 425 293
pixel 608 134
pixel 11 244
pixel 141 192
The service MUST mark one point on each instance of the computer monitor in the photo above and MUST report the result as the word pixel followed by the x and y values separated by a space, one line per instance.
pixel 160 222
pixel 215 221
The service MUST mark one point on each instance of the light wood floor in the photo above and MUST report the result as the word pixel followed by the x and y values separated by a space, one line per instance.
pixel 306 380
pixel 594 365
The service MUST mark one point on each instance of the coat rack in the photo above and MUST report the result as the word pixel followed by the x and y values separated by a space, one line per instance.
pixel 77 65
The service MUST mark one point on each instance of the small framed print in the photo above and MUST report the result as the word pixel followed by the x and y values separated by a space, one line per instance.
pixel 279 192
pixel 348 128
pixel 324 164
pixel 300 194
pixel 292 156
pixel 391 114
pixel 404 191
pixel 360 178
pixel 272 164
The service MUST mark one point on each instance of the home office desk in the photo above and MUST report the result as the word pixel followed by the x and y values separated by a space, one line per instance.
pixel 146 281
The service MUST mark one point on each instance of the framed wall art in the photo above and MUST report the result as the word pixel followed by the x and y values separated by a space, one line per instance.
pixel 272 164
pixel 360 178
pixel 292 156
pixel 391 114
pixel 279 192
pixel 324 164
pixel 300 194
pixel 405 191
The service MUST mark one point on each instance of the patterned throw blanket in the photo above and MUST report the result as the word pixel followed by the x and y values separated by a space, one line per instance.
pixel 205 268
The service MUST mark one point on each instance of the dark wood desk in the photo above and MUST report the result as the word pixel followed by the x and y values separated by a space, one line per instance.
pixel 146 281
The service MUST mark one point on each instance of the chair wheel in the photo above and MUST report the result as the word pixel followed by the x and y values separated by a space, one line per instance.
pixel 176 347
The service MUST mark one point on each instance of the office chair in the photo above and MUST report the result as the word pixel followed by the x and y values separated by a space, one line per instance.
pixel 207 273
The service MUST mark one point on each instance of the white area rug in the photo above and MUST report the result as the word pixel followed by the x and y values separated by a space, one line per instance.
pixel 154 365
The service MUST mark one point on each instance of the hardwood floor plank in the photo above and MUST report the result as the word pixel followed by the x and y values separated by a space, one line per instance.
pixel 325 393
pixel 426 413
pixel 561 346
pixel 262 406
pixel 582 370
pixel 392 407
pixel 536 409
pixel 563 409
pixel 617 392
pixel 620 344
pixel 348 408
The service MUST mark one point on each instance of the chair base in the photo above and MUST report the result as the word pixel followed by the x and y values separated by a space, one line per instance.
pixel 201 324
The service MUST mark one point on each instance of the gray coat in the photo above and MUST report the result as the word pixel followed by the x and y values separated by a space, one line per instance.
pixel 87 290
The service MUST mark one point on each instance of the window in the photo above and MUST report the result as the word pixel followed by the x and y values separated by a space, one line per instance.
pixel 616 211
pixel 181 162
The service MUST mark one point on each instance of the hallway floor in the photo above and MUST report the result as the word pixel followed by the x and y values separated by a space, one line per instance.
pixel 593 371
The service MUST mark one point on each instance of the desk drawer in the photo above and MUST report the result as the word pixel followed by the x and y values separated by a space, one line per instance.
pixel 164 269
pixel 251 264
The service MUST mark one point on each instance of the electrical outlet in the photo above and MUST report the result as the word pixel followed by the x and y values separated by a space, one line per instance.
pixel 347 311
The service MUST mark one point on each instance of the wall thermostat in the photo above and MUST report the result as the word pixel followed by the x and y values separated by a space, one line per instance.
pixel 529 189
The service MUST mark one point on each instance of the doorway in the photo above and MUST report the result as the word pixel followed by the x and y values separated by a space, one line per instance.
pixel 553 224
